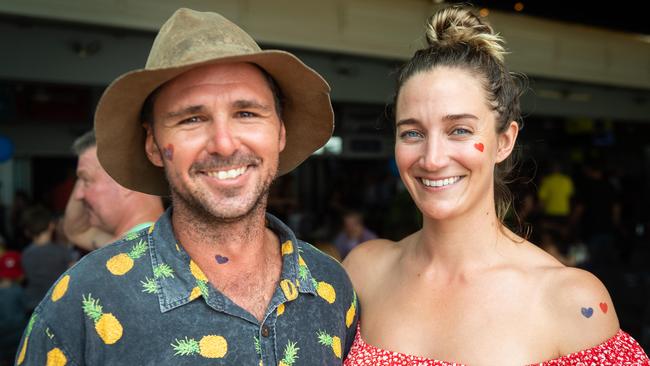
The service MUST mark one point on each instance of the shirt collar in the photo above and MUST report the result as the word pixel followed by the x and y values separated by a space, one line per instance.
pixel 186 282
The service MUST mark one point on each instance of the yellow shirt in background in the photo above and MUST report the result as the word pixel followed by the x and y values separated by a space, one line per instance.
pixel 555 193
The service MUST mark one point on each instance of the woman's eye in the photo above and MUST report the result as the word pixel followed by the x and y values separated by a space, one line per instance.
pixel 410 134
pixel 461 131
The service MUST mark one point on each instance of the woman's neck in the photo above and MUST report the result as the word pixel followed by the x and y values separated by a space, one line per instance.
pixel 454 246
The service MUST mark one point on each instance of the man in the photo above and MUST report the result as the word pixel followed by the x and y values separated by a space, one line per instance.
pixel 216 280
pixel 43 260
pixel 100 210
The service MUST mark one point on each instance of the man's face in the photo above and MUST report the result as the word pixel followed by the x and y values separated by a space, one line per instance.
pixel 99 192
pixel 218 136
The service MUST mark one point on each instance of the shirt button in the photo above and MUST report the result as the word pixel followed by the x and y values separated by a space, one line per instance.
pixel 265 331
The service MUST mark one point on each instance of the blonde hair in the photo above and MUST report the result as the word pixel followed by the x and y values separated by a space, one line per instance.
pixel 456 37
pixel 455 25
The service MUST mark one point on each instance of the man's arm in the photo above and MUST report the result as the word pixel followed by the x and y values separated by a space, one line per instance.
pixel 76 225
pixel 40 346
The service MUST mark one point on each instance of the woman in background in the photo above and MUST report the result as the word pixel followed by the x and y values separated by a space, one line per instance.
pixel 465 289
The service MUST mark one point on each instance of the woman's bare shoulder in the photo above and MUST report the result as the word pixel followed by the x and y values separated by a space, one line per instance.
pixel 369 260
pixel 580 312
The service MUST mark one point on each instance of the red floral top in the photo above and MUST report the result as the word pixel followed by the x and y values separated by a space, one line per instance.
pixel 621 349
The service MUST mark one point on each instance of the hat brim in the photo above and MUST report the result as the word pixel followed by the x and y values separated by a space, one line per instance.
pixel 307 115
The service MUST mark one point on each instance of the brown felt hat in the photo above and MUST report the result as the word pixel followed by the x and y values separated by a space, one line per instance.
pixel 187 40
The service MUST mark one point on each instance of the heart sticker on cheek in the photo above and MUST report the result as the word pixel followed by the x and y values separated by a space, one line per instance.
pixel 221 259
pixel 479 146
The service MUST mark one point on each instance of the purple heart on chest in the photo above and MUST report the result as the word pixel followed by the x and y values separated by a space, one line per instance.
pixel 587 312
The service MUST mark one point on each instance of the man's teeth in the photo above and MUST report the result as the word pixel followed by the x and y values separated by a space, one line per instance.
pixel 440 182
pixel 227 174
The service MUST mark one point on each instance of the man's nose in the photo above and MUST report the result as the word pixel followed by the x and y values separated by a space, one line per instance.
pixel 223 140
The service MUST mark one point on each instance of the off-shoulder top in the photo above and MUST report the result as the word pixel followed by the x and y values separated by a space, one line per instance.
pixel 621 349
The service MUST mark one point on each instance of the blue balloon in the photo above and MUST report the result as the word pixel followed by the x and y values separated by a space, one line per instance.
pixel 6 149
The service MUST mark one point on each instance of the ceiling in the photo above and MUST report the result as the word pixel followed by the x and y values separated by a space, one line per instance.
pixel 627 17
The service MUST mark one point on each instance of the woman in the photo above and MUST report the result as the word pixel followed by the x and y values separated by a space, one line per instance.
pixel 465 289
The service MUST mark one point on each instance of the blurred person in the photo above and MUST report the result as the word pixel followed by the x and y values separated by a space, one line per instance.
pixel 43 260
pixel 100 210
pixel 12 311
pixel 555 192
pixel 211 120
pixel 20 202
pixel 353 233
pixel 464 289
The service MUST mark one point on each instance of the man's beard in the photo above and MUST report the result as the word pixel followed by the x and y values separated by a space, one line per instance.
pixel 201 206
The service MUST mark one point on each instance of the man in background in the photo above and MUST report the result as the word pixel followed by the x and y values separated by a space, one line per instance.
pixel 100 210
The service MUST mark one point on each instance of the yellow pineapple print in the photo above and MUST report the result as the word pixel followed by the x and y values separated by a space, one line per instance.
pixel 196 292
pixel 56 358
pixel 352 310
pixel 197 272
pixel 280 310
pixel 289 289
pixel 163 270
pixel 327 340
pixel 60 288
pixel 258 349
pixel 303 271
pixel 210 346
pixel 201 288
pixel 325 290
pixel 287 247
pixel 151 229
pixel 107 326
pixel 28 331
pixel 290 354
pixel 122 263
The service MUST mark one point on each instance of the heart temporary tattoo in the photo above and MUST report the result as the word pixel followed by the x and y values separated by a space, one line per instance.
pixel 168 152
pixel 603 307
pixel 587 312
pixel 221 259
pixel 479 146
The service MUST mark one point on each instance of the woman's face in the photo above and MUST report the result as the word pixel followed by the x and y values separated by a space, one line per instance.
pixel 446 144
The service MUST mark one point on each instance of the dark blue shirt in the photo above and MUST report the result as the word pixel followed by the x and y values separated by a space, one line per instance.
pixel 143 301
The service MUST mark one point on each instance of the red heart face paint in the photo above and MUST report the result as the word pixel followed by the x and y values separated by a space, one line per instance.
pixel 479 146
pixel 168 152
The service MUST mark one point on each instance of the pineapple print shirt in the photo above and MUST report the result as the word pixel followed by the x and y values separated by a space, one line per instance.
pixel 142 301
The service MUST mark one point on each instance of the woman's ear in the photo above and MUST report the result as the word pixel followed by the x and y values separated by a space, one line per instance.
pixel 506 141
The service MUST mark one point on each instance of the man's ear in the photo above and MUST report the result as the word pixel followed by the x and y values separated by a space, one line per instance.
pixel 151 147
pixel 283 136
pixel 506 141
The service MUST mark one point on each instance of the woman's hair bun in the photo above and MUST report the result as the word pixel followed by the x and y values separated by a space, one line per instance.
pixel 459 25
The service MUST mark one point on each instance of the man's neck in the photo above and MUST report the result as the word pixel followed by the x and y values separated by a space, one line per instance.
pixel 132 220
pixel 238 240
pixel 43 238
pixel 240 258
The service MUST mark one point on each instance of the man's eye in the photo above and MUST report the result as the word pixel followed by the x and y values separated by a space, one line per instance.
pixel 246 114
pixel 192 119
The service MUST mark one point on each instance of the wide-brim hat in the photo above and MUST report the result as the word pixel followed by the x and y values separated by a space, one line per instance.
pixel 187 40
